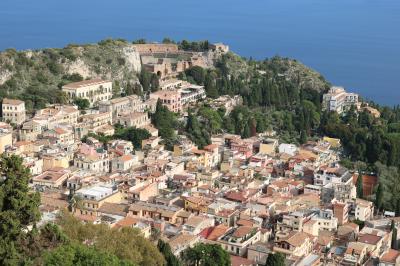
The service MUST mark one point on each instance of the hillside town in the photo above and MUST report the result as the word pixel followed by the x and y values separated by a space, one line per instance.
pixel 252 196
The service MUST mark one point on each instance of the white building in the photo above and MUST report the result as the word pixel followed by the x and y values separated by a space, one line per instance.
pixel 290 149
pixel 94 90
pixel 326 220
pixel 13 111
pixel 364 210
pixel 124 162
pixel 326 175
pixel 192 93
pixel 133 119
pixel 338 100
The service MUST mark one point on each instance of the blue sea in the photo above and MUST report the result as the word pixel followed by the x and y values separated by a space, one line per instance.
pixel 353 43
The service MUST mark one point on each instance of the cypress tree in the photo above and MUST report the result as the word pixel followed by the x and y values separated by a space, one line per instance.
pixel 303 137
pixel 359 186
pixel 394 235
pixel 379 197
pixel 246 131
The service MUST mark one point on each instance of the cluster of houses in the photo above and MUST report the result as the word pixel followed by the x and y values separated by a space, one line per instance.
pixel 253 196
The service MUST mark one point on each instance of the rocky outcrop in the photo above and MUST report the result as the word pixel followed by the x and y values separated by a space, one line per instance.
pixel 132 59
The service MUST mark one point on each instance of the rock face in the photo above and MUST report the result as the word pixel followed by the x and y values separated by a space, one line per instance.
pixel 78 66
pixel 132 59
pixel 5 75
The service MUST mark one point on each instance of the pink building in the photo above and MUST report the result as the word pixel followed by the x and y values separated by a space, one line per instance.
pixel 244 148
pixel 170 99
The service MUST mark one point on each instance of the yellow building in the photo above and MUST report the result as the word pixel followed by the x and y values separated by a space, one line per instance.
pixel 13 111
pixel 55 160
pixel 196 204
pixel 269 146
pixel 5 140
pixel 335 143
pixel 92 198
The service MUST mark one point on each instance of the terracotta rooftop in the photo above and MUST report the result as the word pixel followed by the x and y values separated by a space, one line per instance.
pixel 390 256
pixel 239 261
pixel 114 208
pixel 217 232
pixel 235 196
pixel 225 212
pixel 244 222
pixel 85 83
pixel 369 239
pixel 242 231
pixel 127 222
pixel 12 101
pixel 126 157
pixel 296 239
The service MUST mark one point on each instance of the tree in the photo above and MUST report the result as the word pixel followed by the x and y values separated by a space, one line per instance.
pixel 197 73
pixel 359 186
pixel 379 197
pixel 82 103
pixel 275 259
pixel 167 40
pixel 303 137
pixel 393 229
pixel 164 120
pixel 79 254
pixel 195 132
pixel 246 130
pixel 125 243
pixel 135 135
pixel 18 207
pixel 165 249
pixel 206 255
pixel 389 180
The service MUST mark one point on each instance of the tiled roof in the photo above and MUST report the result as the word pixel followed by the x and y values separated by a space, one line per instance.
pixel 242 231
pixel 84 83
pixel 12 101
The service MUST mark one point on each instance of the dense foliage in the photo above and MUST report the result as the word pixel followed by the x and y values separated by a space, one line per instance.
pixel 18 209
pixel 166 123
pixel 275 259
pixel 170 258
pixel 75 254
pixel 206 255
pixel 126 243
pixel 135 135
pixel 132 134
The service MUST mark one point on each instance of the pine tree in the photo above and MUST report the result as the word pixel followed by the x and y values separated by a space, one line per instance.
pixel 394 235
pixel 246 131
pixel 359 186
pixel 379 197
pixel 166 251
pixel 303 137
pixel 18 207
pixel 275 259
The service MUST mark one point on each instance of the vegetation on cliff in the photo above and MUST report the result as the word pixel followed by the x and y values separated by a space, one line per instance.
pixel 37 76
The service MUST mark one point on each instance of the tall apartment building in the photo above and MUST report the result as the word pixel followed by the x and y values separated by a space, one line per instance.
pixel 338 100
pixel 94 90
pixel 13 111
